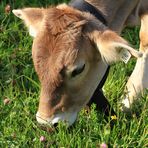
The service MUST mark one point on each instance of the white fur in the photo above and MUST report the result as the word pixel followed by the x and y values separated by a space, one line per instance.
pixel 32 31
pixel 18 13
pixel 126 103
pixel 138 80
pixel 68 117
pixel 111 54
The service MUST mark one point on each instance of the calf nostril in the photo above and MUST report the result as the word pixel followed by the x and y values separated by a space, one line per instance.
pixel 55 125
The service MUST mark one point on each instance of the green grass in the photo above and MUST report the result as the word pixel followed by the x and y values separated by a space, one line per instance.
pixel 19 83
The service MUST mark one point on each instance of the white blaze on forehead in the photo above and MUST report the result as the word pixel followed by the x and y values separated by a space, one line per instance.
pixel 68 118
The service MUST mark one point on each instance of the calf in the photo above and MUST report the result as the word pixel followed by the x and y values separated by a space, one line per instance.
pixel 72 49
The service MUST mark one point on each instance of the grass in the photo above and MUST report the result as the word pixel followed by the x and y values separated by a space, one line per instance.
pixel 19 83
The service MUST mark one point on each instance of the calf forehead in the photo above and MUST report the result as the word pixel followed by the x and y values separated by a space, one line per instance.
pixel 60 35
pixel 52 53
pixel 56 46
pixel 55 50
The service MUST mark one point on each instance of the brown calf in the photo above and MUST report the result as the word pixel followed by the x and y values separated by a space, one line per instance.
pixel 72 50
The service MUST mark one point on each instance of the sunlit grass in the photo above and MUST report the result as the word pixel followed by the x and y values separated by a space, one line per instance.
pixel 19 83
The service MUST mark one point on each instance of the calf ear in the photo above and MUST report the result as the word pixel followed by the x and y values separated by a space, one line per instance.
pixel 32 18
pixel 112 47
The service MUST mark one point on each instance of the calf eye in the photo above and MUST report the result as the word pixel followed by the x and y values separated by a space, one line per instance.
pixel 77 71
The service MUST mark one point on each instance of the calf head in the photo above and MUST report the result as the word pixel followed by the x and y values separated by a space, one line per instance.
pixel 71 51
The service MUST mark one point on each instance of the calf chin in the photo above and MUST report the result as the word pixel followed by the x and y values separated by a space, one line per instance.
pixel 67 118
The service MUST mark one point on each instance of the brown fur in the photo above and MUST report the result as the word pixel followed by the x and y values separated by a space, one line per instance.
pixel 51 59
pixel 65 38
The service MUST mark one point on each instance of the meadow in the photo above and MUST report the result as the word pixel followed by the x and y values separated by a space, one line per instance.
pixel 20 86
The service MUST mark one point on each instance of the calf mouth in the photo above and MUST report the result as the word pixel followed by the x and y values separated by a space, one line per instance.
pixel 67 117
